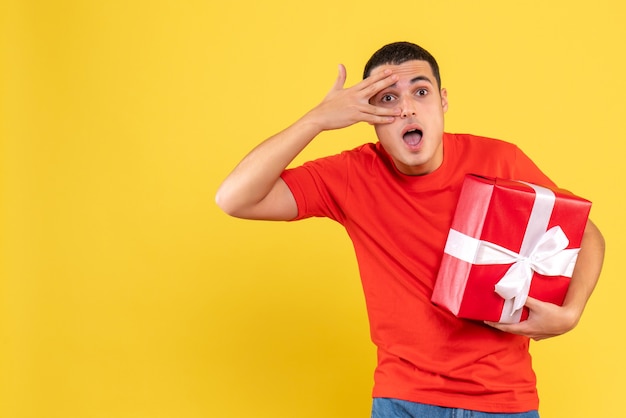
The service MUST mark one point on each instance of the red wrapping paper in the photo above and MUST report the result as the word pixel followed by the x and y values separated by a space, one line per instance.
pixel 508 221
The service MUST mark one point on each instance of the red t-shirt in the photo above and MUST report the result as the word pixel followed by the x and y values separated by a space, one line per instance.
pixel 398 225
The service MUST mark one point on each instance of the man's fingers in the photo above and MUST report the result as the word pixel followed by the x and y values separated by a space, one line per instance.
pixel 378 82
pixel 523 328
pixel 367 88
pixel 345 106
pixel 380 120
pixel 381 115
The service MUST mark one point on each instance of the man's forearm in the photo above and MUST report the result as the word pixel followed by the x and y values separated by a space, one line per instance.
pixel 586 272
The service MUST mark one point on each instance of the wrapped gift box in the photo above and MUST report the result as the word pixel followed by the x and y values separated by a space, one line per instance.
pixel 508 240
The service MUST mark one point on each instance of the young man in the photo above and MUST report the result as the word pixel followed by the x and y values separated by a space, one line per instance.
pixel 396 199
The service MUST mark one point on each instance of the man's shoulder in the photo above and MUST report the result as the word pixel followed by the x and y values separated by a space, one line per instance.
pixel 469 145
pixel 359 154
pixel 477 140
pixel 346 160
pixel 369 149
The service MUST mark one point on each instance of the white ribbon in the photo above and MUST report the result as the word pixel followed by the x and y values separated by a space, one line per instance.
pixel 543 251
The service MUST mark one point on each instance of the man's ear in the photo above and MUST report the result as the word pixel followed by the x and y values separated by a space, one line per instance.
pixel 444 100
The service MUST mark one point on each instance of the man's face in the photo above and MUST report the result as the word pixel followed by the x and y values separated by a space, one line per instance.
pixel 413 139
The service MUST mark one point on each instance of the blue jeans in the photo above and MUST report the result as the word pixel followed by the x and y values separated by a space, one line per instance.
pixel 395 408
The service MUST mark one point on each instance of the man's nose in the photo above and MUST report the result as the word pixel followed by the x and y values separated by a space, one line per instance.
pixel 407 113
pixel 407 109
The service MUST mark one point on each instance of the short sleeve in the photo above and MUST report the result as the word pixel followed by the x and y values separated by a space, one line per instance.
pixel 319 187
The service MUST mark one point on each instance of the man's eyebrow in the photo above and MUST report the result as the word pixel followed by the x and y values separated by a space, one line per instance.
pixel 421 78
pixel 415 80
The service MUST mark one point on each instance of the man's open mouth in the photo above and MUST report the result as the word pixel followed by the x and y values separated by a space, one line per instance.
pixel 412 137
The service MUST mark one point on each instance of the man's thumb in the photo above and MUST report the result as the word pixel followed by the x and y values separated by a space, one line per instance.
pixel 341 78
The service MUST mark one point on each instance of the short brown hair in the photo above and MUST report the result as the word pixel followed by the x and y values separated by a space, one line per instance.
pixel 400 52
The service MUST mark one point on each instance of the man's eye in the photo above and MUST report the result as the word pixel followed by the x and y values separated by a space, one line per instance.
pixel 422 92
pixel 386 98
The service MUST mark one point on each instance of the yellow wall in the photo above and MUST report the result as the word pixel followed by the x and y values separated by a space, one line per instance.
pixel 125 292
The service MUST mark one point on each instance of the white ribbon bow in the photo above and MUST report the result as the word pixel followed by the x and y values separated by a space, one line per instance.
pixel 542 251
